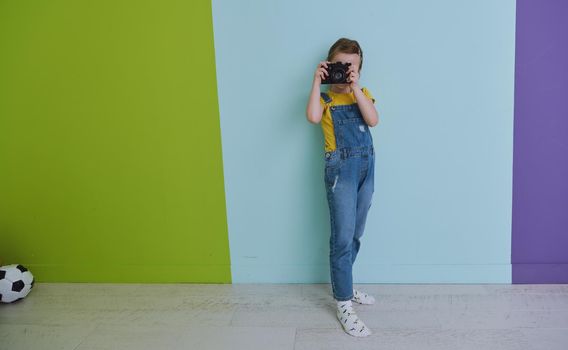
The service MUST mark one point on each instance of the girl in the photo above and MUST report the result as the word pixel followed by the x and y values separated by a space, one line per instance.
pixel 346 112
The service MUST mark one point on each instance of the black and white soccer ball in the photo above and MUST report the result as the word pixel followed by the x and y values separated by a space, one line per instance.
pixel 15 282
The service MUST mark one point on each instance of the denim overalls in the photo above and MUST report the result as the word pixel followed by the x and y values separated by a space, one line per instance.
pixel 349 183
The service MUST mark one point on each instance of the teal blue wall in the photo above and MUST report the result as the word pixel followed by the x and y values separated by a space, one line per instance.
pixel 442 73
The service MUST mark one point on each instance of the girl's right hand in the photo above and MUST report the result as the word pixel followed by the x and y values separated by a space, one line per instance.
pixel 321 72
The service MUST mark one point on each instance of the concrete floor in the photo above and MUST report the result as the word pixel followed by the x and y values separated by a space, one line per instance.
pixel 284 316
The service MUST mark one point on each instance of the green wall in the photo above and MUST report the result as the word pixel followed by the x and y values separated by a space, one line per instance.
pixel 110 147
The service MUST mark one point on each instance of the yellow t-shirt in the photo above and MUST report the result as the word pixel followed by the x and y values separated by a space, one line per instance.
pixel 327 123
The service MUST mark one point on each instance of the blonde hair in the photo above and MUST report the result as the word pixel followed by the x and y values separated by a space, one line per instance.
pixel 345 45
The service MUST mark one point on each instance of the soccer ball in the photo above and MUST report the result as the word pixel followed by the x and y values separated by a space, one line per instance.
pixel 15 283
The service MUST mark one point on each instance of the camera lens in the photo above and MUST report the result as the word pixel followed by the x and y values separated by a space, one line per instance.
pixel 338 75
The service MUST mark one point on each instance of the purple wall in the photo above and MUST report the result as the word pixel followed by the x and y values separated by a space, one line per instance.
pixel 540 158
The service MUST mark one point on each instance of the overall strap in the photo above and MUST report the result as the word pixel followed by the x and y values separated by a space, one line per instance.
pixel 325 97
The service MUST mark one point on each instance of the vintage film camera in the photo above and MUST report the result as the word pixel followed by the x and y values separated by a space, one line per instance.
pixel 337 73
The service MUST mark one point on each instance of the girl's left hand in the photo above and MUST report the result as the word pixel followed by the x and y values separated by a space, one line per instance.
pixel 353 78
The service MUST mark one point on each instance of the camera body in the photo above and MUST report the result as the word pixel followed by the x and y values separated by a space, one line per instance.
pixel 337 73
